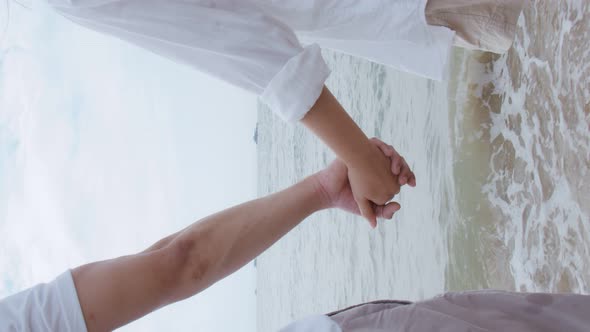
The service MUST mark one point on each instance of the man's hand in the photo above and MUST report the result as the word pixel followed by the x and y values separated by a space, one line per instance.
pixel 337 193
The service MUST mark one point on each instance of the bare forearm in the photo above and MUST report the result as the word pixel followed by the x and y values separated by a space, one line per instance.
pixel 369 170
pixel 329 121
pixel 162 243
pixel 115 292
pixel 220 244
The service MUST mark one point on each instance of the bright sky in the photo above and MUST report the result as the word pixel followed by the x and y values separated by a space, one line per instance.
pixel 104 149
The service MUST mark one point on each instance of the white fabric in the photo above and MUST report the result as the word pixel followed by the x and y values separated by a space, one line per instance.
pixel 45 307
pixel 252 43
pixel 317 323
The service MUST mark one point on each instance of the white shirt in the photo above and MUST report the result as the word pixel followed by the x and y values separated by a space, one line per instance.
pixel 45 307
pixel 253 43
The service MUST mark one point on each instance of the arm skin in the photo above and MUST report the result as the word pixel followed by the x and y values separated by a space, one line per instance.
pixel 115 292
pixel 370 171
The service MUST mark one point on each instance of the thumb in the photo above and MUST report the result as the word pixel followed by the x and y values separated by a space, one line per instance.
pixel 367 211
pixel 388 210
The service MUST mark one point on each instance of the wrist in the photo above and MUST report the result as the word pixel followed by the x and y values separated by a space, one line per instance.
pixel 319 193
pixel 360 154
pixel 328 120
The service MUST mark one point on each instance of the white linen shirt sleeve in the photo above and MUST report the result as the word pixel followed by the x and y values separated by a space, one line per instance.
pixel 45 307
pixel 233 40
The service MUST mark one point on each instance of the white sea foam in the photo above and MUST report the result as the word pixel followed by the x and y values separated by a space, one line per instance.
pixel 537 99
pixel 548 195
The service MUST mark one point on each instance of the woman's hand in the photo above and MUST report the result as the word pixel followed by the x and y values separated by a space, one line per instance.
pixel 399 166
pixel 336 190
pixel 372 182
pixel 373 177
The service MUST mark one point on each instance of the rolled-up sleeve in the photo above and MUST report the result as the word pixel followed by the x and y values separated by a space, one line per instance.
pixel 233 40
pixel 297 85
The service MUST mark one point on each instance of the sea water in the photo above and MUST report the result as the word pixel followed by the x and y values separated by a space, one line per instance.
pixel 501 154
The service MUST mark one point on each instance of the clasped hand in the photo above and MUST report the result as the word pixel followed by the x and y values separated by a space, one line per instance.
pixel 367 188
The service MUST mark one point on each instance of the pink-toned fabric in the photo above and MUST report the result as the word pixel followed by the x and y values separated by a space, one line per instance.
pixel 487 25
pixel 473 311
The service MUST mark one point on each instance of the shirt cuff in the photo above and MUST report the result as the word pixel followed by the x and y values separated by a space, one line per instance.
pixel 296 88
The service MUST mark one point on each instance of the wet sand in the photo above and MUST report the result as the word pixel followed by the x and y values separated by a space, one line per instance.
pixel 522 156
